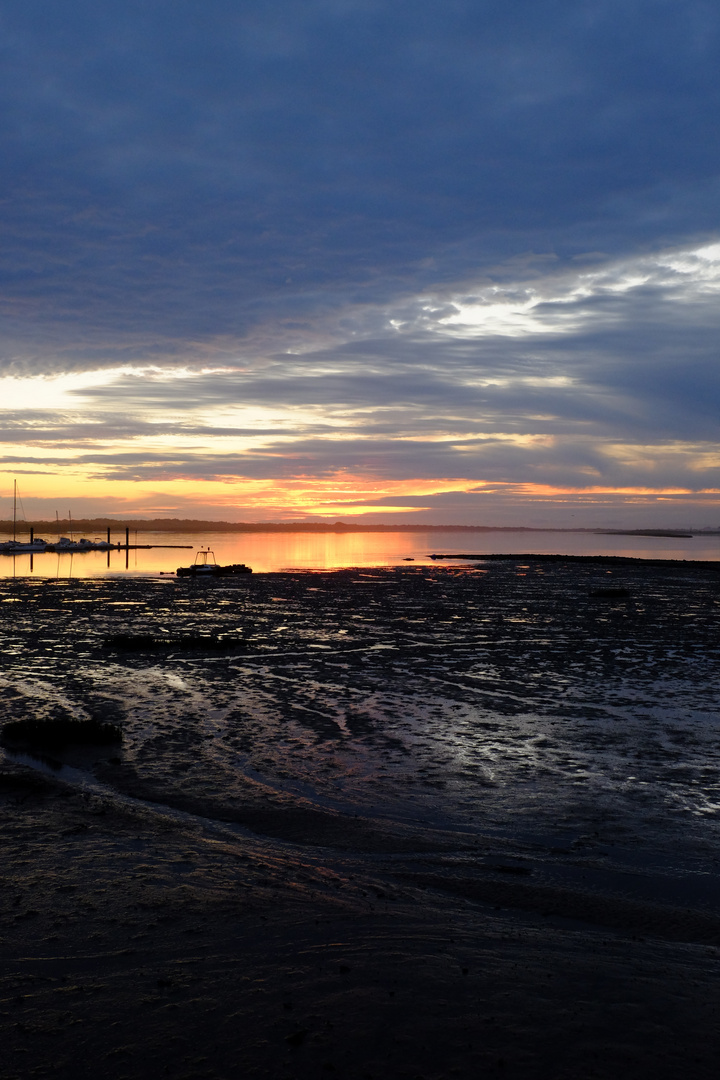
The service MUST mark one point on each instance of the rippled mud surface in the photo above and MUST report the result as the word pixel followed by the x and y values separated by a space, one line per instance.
pixel 504 700
pixel 417 822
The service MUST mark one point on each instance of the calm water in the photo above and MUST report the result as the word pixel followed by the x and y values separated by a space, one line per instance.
pixel 266 552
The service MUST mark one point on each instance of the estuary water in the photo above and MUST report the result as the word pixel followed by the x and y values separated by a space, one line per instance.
pixel 273 551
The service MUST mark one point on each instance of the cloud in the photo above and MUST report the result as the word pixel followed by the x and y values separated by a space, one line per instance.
pixel 181 181
pixel 605 374
pixel 462 242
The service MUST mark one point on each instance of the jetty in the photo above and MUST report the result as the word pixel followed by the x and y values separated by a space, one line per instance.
pixel 66 546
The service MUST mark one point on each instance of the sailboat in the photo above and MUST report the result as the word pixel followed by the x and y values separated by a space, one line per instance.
pixel 19 547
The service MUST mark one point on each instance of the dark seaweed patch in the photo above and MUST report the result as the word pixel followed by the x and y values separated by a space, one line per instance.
pixel 55 734
pixel 16 780
pixel 132 642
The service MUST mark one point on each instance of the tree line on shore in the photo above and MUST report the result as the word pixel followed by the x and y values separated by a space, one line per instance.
pixel 97 525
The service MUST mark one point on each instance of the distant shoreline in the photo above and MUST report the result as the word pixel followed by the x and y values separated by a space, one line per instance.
pixel 101 525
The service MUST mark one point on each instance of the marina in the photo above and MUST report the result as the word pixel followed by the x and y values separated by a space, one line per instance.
pixel 67 546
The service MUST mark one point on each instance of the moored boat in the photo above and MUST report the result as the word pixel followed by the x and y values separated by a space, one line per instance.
pixel 206 566
pixel 64 544
pixel 23 547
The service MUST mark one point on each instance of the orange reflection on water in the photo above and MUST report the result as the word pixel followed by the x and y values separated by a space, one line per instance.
pixel 263 552
pixel 273 551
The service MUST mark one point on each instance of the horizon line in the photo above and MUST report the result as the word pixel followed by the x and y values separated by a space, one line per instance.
pixel 210 524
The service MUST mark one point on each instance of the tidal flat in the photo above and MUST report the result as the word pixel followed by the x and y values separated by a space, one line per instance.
pixel 410 822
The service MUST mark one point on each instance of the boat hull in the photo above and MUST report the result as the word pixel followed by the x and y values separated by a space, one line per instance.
pixel 212 570
pixel 19 548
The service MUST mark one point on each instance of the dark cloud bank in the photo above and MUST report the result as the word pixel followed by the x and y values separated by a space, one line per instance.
pixel 174 171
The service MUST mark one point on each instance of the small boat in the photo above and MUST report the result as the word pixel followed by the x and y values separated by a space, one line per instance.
pixel 83 544
pixel 206 566
pixel 64 544
pixel 23 547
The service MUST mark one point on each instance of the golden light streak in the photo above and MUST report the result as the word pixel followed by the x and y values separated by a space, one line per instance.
pixel 339 495
pixel 539 490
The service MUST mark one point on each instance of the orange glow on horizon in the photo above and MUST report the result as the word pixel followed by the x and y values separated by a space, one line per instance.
pixel 336 495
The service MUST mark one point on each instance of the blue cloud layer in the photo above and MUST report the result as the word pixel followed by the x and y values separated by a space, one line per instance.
pixel 175 172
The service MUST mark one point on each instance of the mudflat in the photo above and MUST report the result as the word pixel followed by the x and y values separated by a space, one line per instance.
pixel 403 823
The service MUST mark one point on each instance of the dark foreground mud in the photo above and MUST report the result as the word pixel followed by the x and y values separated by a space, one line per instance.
pixel 415 823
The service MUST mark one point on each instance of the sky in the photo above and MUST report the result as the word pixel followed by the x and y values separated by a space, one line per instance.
pixel 443 261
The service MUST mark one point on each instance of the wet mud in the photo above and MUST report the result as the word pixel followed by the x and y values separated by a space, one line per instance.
pixel 409 822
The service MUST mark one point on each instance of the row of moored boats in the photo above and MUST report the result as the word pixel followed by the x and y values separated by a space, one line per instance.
pixel 64 544
pixel 204 565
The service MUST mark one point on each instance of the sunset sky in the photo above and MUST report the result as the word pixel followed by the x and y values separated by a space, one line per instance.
pixel 449 261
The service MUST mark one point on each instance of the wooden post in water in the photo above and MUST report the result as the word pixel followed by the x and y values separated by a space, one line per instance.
pixel 108 534
pixel 127 539
pixel 32 534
